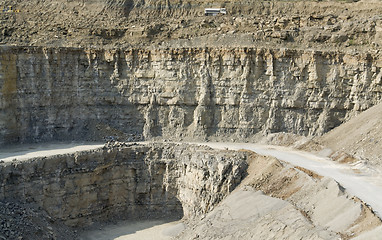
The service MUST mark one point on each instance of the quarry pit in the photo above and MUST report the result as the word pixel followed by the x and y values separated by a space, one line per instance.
pixel 148 120
pixel 168 190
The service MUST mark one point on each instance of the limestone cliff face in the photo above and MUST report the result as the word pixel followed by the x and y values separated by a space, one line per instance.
pixel 125 182
pixel 65 93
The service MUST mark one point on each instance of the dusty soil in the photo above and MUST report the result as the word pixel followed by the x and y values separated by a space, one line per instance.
pixel 27 151
pixel 121 23
pixel 292 203
pixel 163 229
pixel 361 183
pixel 358 139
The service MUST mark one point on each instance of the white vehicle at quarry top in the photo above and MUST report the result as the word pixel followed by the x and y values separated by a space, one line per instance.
pixel 214 11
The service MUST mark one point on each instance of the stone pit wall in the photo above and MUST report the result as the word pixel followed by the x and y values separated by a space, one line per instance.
pixel 197 93
pixel 124 182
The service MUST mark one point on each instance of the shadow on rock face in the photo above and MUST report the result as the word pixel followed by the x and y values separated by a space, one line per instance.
pixel 123 7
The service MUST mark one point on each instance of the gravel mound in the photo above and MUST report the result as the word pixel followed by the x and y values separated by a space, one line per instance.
pixel 360 137
pixel 26 221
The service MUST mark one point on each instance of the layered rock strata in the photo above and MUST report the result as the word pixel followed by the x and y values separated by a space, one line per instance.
pixel 124 182
pixel 219 194
pixel 65 93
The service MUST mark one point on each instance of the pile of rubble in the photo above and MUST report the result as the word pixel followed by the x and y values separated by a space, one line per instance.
pixel 27 221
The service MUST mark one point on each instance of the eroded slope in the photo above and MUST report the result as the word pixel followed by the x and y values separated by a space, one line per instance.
pixel 314 207
pixel 360 137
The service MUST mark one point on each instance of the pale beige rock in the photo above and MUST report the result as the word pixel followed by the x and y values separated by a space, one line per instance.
pixel 124 181
pixel 194 93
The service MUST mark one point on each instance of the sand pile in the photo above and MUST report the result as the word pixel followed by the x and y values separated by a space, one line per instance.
pixel 360 137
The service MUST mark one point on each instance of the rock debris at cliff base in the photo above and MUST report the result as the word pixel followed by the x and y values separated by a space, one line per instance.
pixel 29 221
pixel 119 71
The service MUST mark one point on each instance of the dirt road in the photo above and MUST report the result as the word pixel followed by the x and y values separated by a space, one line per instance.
pixel 27 151
pixel 357 182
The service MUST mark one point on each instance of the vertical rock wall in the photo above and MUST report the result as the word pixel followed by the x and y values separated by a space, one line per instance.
pixel 124 182
pixel 8 86
pixel 197 93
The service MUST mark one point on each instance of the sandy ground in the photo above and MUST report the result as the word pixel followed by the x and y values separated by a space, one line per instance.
pixel 360 184
pixel 27 151
pixel 249 214
pixel 140 230
pixel 360 137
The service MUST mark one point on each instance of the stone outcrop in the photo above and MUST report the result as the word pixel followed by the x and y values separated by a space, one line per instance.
pixel 124 182
pixel 66 93
pixel 217 193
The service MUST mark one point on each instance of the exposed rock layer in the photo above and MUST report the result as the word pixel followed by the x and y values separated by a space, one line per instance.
pixel 64 93
pixel 130 181
pixel 124 182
